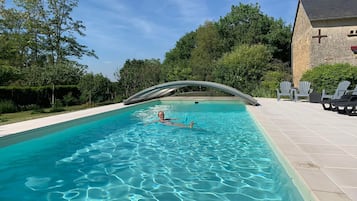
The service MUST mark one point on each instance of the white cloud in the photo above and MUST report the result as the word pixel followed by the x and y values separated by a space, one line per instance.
pixel 192 11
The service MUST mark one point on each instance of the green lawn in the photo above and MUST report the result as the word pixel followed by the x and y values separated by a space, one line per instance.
pixel 9 118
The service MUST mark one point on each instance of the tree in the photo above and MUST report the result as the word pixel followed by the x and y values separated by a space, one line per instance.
pixel 207 51
pixel 61 30
pixel 94 87
pixel 136 75
pixel 176 64
pixel 86 87
pixel 246 24
pixel 13 49
pixel 7 74
pixel 244 67
pixel 67 73
pixel 41 32
pixel 38 38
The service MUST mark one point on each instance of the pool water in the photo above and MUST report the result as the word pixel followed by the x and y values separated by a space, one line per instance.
pixel 127 157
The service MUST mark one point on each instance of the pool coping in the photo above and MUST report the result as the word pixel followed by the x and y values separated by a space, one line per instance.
pixel 315 146
pixel 314 179
pixel 19 127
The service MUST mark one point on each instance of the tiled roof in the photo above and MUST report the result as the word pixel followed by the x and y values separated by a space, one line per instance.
pixel 330 9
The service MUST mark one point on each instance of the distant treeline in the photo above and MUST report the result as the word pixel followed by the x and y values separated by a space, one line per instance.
pixel 245 49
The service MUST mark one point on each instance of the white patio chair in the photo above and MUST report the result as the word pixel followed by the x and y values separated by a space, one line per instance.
pixel 285 90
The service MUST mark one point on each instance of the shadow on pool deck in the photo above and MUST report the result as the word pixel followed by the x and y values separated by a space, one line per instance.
pixel 319 147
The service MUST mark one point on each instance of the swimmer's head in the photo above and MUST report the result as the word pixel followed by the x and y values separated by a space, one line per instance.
pixel 161 114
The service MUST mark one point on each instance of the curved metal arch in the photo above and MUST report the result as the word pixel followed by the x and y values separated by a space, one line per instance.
pixel 161 90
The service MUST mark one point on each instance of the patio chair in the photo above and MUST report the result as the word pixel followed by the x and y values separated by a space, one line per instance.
pixel 348 97
pixel 348 107
pixel 285 90
pixel 341 89
pixel 304 90
pixel 326 100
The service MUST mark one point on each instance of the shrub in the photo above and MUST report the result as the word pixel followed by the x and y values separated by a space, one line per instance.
pixel 270 83
pixel 244 67
pixel 327 76
pixel 28 107
pixel 69 99
pixel 7 106
pixel 57 107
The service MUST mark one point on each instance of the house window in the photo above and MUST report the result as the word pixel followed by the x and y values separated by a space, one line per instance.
pixel 352 33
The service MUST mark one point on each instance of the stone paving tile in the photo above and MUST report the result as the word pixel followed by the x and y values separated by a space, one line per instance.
pixel 319 146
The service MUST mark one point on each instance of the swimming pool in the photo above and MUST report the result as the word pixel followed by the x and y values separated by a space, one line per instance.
pixel 123 156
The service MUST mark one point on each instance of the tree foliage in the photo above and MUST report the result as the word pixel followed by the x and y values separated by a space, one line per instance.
pixel 136 75
pixel 40 35
pixel 244 67
pixel 246 24
pixel 7 74
pixel 94 88
pixel 209 52
pixel 176 64
pixel 243 49
pixel 68 73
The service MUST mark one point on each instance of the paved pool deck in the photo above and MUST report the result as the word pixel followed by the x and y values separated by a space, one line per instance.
pixel 317 147
pixel 9 129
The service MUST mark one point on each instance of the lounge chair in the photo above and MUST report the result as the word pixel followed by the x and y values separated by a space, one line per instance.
pixel 285 90
pixel 341 89
pixel 304 90
pixel 349 96
pixel 339 92
pixel 345 102
pixel 348 107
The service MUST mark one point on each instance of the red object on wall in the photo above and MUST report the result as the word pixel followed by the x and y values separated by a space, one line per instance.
pixel 354 49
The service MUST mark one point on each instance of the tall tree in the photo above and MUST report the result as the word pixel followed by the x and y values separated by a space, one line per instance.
pixel 94 87
pixel 44 31
pixel 39 35
pixel 13 49
pixel 136 75
pixel 176 64
pixel 207 51
pixel 60 30
pixel 246 24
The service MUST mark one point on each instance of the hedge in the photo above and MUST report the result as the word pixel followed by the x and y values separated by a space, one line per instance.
pixel 40 96
pixel 328 76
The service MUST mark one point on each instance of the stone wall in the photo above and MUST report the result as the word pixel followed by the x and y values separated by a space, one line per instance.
pixel 336 47
pixel 301 41
pixel 307 52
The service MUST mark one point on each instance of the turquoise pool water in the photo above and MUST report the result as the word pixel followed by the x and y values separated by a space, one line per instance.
pixel 125 157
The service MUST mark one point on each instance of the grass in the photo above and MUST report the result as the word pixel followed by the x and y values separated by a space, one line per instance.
pixel 9 118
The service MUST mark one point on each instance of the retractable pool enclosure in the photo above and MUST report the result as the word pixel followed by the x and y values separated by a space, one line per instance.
pixel 168 88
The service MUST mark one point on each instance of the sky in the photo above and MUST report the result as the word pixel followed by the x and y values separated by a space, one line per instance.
pixel 118 30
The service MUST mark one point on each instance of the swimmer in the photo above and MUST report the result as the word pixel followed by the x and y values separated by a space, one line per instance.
pixel 168 122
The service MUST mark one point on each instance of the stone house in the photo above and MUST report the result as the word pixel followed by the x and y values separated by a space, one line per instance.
pixel 324 32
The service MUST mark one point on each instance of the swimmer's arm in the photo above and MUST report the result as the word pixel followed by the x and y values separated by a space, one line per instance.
pixel 169 119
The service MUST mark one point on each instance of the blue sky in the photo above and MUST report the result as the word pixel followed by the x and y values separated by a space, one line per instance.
pixel 118 30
